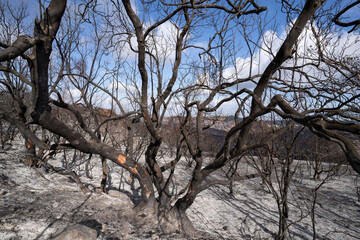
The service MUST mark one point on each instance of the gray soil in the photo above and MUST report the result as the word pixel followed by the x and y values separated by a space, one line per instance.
pixel 35 204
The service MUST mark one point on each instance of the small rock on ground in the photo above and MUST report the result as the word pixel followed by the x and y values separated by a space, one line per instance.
pixel 76 232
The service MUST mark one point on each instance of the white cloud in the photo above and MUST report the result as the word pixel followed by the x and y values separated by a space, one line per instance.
pixel 163 42
pixel 338 45
pixel 71 95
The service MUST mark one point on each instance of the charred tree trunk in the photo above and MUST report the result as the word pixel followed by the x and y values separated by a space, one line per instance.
pixel 2 135
pixel 154 169
pixel 104 175
pixel 30 153
pixel 169 220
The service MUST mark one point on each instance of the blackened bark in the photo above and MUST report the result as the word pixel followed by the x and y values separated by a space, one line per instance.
pixel 39 80
pixel 45 31
pixel 30 153
pixel 104 174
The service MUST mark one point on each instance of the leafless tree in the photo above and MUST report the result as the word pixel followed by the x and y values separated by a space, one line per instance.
pixel 354 23
pixel 59 57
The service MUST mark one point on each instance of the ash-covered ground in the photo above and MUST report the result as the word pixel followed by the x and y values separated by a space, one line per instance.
pixel 35 204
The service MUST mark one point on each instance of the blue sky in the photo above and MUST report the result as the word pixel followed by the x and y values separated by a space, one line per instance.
pixel 277 25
